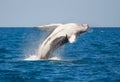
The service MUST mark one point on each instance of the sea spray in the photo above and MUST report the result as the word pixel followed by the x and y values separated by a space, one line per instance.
pixel 56 55
pixel 32 44
pixel 31 58
pixel 35 58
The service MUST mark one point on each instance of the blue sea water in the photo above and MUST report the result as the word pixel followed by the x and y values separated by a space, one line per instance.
pixel 94 57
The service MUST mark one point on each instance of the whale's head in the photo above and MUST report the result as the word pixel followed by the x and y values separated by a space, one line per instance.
pixel 76 30
pixel 83 27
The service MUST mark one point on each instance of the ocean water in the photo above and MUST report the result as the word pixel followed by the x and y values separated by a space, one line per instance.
pixel 94 57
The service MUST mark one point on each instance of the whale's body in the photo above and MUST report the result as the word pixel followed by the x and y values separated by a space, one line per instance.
pixel 60 34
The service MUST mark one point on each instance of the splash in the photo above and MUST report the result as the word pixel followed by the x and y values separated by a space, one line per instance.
pixel 35 58
pixel 55 58
pixel 32 58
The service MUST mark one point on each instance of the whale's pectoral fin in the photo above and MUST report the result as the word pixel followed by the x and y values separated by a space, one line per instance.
pixel 72 38
pixel 49 27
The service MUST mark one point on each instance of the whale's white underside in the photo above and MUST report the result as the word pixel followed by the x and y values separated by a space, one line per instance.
pixel 60 34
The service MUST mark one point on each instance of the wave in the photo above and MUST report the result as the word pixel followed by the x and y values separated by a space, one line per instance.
pixel 4 50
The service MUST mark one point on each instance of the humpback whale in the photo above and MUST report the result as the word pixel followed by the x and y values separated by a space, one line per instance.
pixel 60 34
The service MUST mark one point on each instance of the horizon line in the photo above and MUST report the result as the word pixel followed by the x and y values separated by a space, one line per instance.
pixel 35 26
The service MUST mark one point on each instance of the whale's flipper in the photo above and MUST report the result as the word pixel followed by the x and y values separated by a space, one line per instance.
pixel 72 38
pixel 49 27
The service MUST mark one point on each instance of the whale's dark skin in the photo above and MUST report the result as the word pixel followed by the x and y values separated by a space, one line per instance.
pixel 60 34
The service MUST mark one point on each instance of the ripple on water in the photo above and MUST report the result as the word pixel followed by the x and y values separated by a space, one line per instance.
pixel 4 50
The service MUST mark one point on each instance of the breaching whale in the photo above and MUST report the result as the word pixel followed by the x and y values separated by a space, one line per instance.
pixel 60 34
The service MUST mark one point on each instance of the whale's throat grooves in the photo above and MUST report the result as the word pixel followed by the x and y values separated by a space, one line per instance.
pixel 55 44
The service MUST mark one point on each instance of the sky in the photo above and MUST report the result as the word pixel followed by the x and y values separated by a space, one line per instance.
pixel 30 13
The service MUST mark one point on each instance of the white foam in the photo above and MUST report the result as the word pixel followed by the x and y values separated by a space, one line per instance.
pixel 55 58
pixel 35 58
pixel 32 58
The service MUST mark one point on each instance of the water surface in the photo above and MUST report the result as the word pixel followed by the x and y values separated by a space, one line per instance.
pixel 94 57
